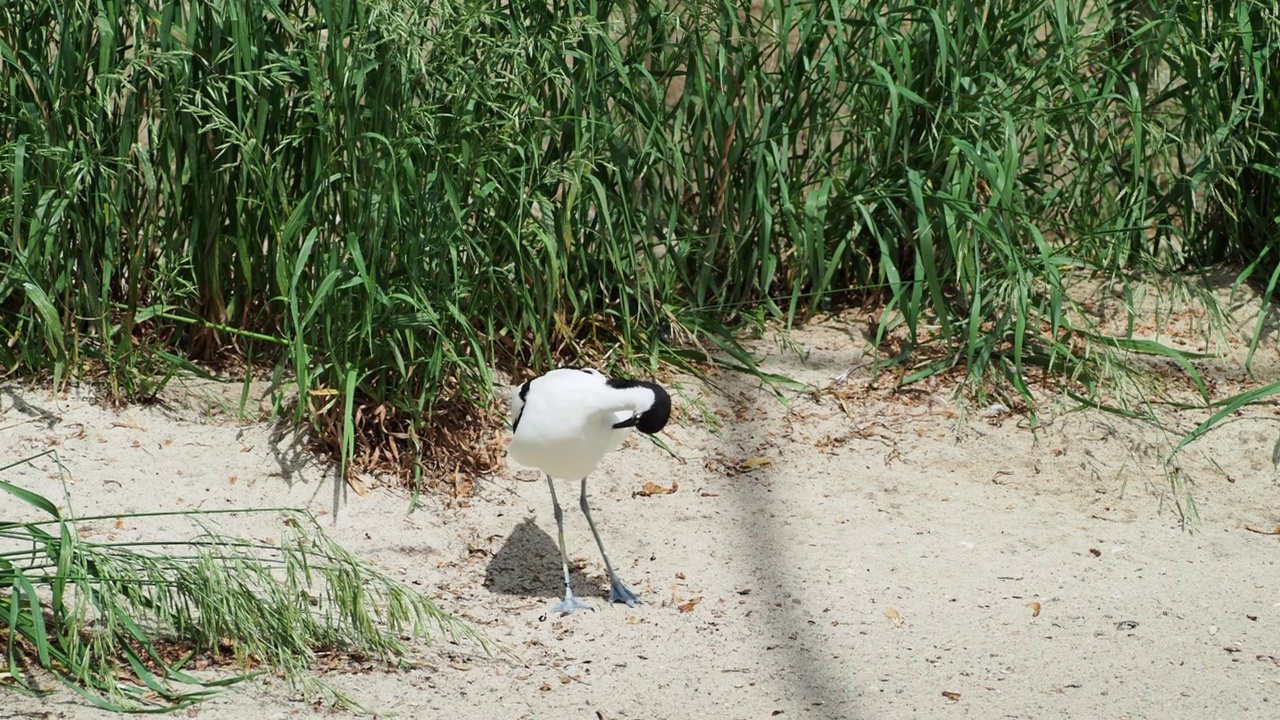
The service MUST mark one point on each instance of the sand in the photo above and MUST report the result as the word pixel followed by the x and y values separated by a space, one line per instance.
pixel 884 555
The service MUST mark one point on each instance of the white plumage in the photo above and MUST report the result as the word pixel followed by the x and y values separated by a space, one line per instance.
pixel 564 423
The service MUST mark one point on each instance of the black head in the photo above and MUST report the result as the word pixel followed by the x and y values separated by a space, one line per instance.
pixel 653 419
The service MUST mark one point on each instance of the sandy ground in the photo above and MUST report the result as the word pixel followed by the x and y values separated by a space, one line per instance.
pixel 876 555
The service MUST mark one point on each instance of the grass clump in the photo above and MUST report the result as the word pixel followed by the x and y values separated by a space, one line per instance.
pixel 386 199
pixel 125 624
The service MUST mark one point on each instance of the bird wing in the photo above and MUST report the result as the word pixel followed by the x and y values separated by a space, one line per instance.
pixel 517 406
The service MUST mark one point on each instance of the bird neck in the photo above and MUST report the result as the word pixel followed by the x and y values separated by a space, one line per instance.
pixel 637 398
pixel 649 401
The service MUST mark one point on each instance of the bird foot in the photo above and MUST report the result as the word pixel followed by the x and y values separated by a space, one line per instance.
pixel 619 593
pixel 569 604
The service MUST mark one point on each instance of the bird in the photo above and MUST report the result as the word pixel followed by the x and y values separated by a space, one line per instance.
pixel 563 423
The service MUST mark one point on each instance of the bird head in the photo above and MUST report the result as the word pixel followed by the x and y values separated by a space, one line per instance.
pixel 653 418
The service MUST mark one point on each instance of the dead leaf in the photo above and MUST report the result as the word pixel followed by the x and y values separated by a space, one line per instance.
pixel 1262 531
pixel 358 485
pixel 758 461
pixel 689 606
pixel 1035 607
pixel 652 488
pixel 952 696
pixel 895 617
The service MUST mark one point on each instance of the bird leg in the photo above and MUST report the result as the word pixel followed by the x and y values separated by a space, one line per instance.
pixel 618 592
pixel 570 602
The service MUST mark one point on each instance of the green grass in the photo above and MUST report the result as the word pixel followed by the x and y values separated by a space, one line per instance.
pixel 384 200
pixel 434 187
pixel 121 623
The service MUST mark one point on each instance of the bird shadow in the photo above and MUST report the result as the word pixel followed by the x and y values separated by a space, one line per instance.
pixel 528 565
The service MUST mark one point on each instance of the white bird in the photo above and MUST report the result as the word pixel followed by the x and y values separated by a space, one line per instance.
pixel 564 423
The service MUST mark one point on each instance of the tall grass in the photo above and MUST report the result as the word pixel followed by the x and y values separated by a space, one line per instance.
pixel 385 198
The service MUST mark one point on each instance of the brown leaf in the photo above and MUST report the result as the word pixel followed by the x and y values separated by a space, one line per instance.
pixel 895 617
pixel 1262 531
pixel 358 485
pixel 689 606
pixel 1035 607
pixel 758 461
pixel 952 696
pixel 652 488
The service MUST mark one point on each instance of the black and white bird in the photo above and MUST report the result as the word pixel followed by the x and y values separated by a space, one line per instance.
pixel 564 423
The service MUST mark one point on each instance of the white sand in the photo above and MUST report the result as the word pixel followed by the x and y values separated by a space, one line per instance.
pixel 862 578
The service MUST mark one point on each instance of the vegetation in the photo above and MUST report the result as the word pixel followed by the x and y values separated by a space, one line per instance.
pixel 384 199
pixel 123 624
